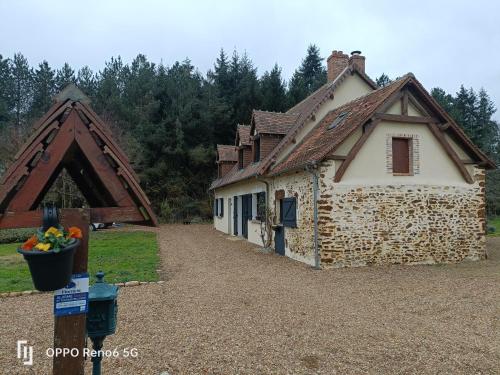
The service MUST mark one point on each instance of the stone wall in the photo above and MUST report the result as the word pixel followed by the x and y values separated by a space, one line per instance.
pixel 392 224
pixel 299 242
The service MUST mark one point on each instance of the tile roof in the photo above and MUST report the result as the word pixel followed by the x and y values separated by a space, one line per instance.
pixel 325 138
pixel 341 122
pixel 273 122
pixel 304 110
pixel 243 133
pixel 227 153
pixel 321 140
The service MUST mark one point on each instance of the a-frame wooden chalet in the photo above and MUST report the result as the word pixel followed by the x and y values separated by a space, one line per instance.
pixel 71 136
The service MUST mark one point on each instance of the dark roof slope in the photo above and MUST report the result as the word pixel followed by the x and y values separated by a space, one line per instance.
pixel 273 122
pixel 321 140
pixel 243 134
pixel 227 153
pixel 304 110
pixel 340 123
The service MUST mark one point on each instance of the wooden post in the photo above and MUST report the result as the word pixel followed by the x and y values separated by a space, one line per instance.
pixel 69 331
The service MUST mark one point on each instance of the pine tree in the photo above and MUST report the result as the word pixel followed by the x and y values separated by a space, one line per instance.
pixel 22 76
pixel 273 90
pixel 486 127
pixel 297 90
pixel 444 99
pixel 43 90
pixel 308 77
pixel 464 112
pixel 87 81
pixel 64 76
pixel 383 80
pixel 6 92
pixel 312 71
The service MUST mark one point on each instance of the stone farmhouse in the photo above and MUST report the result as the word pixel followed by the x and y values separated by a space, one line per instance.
pixel 356 175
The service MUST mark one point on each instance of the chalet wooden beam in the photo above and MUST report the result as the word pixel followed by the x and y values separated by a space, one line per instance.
pixel 414 102
pixel 445 126
pixel 338 157
pixel 393 98
pixel 405 118
pixel 404 103
pixel 469 161
pixel 38 179
pixel 100 164
pixel 118 214
pixel 33 219
pixel 451 153
pixel 354 150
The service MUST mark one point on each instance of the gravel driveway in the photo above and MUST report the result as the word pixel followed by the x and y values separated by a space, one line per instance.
pixel 226 308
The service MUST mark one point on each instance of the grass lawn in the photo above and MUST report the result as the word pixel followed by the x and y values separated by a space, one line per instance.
pixel 494 222
pixel 123 256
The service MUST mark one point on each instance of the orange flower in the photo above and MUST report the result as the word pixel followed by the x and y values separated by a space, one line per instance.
pixel 74 232
pixel 30 243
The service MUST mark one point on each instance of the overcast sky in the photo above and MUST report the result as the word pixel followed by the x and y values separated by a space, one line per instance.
pixel 444 43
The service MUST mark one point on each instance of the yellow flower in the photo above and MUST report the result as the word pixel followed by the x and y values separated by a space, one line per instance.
pixel 52 230
pixel 43 246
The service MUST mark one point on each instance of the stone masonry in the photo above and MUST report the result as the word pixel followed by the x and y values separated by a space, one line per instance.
pixel 396 224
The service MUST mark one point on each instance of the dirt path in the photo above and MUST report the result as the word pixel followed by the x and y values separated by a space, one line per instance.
pixel 226 308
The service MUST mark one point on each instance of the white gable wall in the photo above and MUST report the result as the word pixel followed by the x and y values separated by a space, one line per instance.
pixel 351 88
pixel 370 164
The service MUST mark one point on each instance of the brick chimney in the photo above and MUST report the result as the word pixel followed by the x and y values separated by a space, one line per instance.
pixel 336 63
pixel 357 60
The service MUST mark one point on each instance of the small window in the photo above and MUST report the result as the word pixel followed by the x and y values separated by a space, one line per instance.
pixel 256 150
pixel 240 159
pixel 401 156
pixel 338 120
pixel 221 211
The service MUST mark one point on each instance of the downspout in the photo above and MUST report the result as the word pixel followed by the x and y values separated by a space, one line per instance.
pixel 312 169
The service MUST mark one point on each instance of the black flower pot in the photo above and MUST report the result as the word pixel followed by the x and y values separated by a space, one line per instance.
pixel 50 270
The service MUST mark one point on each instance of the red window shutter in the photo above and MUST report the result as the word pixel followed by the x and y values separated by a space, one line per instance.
pixel 400 155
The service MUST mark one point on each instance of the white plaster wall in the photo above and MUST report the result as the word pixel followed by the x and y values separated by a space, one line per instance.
pixel 351 88
pixel 458 150
pixel 369 165
pixel 254 232
pixel 344 148
pixel 225 224
pixel 395 109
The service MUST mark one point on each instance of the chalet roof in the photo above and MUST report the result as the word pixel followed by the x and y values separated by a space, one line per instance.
pixel 304 110
pixel 71 136
pixel 329 133
pixel 340 123
pixel 243 134
pixel 273 122
pixel 227 153
pixel 321 139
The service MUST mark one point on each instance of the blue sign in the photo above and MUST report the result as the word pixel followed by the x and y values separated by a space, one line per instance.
pixel 73 298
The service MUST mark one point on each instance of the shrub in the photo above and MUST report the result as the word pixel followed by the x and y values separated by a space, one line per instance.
pixel 16 235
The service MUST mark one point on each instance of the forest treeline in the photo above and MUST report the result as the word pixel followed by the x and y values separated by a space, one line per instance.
pixel 170 118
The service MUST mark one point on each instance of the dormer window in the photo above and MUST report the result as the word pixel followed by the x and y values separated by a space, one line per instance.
pixel 256 149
